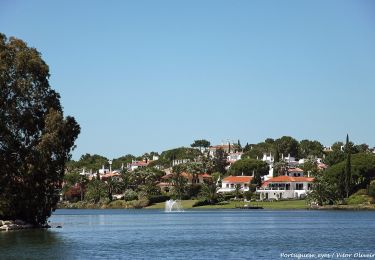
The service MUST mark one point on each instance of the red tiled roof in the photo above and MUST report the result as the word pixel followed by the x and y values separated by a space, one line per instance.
pixel 163 184
pixel 219 147
pixel 187 175
pixel 110 174
pixel 138 164
pixel 238 179
pixel 295 170
pixel 322 166
pixel 288 179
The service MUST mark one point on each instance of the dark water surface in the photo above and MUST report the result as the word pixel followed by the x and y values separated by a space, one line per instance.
pixel 219 234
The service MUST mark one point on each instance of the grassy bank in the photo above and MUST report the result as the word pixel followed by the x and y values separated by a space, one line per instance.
pixel 287 204
pixel 348 207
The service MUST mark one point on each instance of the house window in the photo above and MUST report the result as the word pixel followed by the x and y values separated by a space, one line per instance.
pixel 299 186
pixel 227 185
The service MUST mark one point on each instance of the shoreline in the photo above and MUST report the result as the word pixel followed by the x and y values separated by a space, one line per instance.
pixel 189 204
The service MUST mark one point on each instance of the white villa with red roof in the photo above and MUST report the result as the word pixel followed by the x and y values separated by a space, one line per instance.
pixel 229 183
pixel 285 187
pixel 137 164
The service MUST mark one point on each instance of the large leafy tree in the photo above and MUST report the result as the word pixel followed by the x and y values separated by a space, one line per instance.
pixel 250 167
pixel 220 161
pixel 323 191
pixel 309 148
pixel 362 169
pixel 287 145
pixel 35 138
pixel 200 144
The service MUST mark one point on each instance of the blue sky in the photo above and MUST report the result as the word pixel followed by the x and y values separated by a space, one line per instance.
pixel 143 76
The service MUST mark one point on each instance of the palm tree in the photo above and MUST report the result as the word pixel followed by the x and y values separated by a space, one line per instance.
pixel 113 185
pixel 209 192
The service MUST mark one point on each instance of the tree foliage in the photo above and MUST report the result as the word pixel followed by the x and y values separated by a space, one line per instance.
pixel 35 138
pixel 248 167
pixel 287 145
pixel 307 148
pixel 200 143
pixel 323 191
pixel 220 161
pixel 362 173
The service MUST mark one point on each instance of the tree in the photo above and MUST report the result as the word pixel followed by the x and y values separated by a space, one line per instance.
pixel 96 190
pixel 362 172
pixel 280 168
pixel 113 185
pixel 309 148
pixel 362 148
pixel 371 189
pixel 277 156
pixel 323 191
pixel 287 145
pixel 249 167
pixel 35 138
pixel 220 161
pixel 334 157
pixel 237 190
pixel 180 153
pixel 209 192
pixel 179 182
pixel 348 167
pixel 200 143
pixel 88 162
pixel 337 146
pixel 71 179
pixel 310 167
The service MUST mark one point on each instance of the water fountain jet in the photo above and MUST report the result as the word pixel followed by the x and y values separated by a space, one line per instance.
pixel 173 206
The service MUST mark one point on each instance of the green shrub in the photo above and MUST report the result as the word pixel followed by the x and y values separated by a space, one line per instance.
pixel 130 195
pixel 118 204
pixel 358 199
pixel 361 192
pixel 138 204
pixel 371 189
pixel 159 198
pixel 202 203
pixel 228 195
pixel 248 195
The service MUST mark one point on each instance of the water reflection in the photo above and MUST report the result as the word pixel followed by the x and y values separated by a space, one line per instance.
pixel 33 243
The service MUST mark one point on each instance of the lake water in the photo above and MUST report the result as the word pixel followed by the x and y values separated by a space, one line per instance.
pixel 195 234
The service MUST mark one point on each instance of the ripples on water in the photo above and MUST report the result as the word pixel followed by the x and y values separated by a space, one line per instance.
pixel 219 234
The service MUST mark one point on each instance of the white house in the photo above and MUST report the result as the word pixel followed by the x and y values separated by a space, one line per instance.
pixel 180 161
pixel 233 157
pixel 103 170
pixel 229 183
pixel 227 148
pixel 285 187
pixel 136 164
